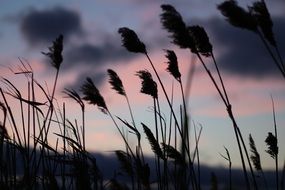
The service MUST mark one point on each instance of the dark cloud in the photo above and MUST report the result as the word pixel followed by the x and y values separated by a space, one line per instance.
pixel 95 55
pixel 98 78
pixel 243 52
pixel 45 25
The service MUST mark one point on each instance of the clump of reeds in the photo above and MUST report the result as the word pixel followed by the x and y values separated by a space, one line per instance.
pixel 202 46
pixel 29 160
pixel 258 20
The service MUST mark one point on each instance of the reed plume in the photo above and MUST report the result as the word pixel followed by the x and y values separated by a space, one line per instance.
pixel 92 95
pixel 237 16
pixel 260 12
pixel 271 142
pixel 149 86
pixel 255 157
pixel 71 93
pixel 255 19
pixel 116 82
pixel 172 67
pixel 172 21
pixel 125 162
pixel 153 142
pixel 201 40
pixel 55 52
pixel 131 41
pixel 173 153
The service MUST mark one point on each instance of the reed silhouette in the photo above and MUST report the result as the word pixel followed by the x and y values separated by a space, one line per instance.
pixel 67 164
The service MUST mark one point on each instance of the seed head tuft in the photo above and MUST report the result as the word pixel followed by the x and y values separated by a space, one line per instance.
pixel 55 52
pixel 173 64
pixel 116 82
pixel 255 157
pixel 172 21
pixel 271 142
pixel 131 41
pixel 149 86
pixel 92 95
pixel 237 16
pixel 201 40
pixel 260 12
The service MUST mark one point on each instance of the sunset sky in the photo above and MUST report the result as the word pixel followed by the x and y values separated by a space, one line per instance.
pixel 92 45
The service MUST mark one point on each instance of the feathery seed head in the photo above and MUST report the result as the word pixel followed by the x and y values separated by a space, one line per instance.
pixel 201 40
pixel 271 142
pixel 92 95
pixel 260 12
pixel 153 142
pixel 55 52
pixel 255 157
pixel 116 82
pixel 237 16
pixel 172 21
pixel 131 41
pixel 173 64
pixel 71 93
pixel 149 86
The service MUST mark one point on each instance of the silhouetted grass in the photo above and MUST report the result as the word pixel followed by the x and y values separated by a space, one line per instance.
pixel 67 164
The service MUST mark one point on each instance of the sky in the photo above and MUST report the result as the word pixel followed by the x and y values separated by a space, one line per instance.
pixel 92 45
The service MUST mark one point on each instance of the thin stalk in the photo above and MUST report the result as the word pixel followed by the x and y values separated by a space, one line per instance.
pixel 212 79
pixel 12 118
pixel 83 128
pixel 167 98
pixel 248 158
pixel 283 176
pixel 140 151
pixel 29 130
pixel 228 158
pixel 122 135
pixel 236 129
pixel 239 133
pixel 197 138
pixel 33 155
pixel 51 101
pixel 46 123
pixel 170 119
pixel 276 156
pixel 278 65
pixel 163 132
pixel 186 126
pixel 280 58
pixel 174 116
pixel 131 112
pixel 157 159
pixel 164 91
pixel 228 106
pixel 163 137
pixel 14 166
pixel 220 77
pixel 175 139
pixel 64 148
pixel 23 122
